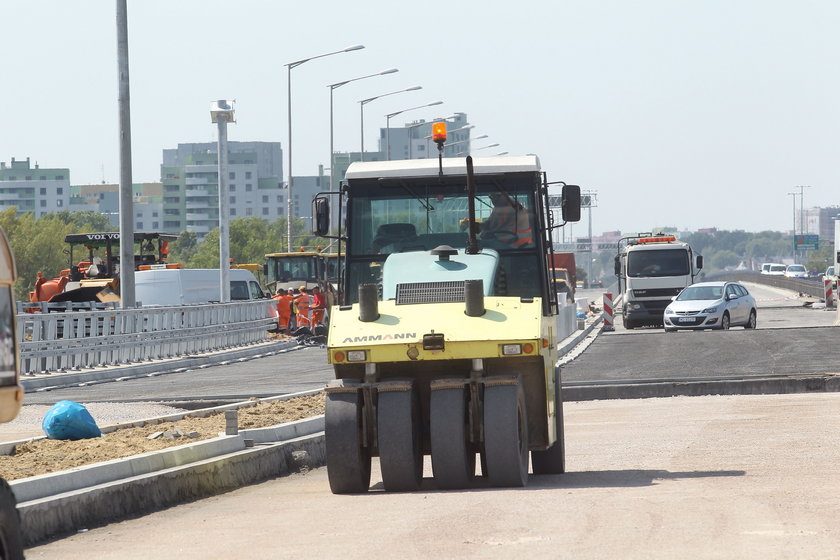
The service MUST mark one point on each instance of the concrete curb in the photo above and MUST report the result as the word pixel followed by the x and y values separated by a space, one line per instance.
pixel 674 388
pixel 568 344
pixel 110 373
pixel 53 484
pixel 105 503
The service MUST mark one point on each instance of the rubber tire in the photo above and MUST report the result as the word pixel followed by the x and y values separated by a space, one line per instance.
pixel 724 322
pixel 348 461
pixel 553 459
pixel 752 322
pixel 453 460
pixel 506 435
pixel 400 441
pixel 669 330
pixel 11 540
pixel 629 325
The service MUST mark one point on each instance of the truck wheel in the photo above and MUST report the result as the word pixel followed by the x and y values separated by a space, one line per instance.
pixel 506 435
pixel 348 461
pixel 629 325
pixel 453 462
pixel 400 444
pixel 11 543
pixel 553 459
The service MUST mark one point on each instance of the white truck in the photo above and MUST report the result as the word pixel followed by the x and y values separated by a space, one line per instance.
pixel 188 286
pixel 651 270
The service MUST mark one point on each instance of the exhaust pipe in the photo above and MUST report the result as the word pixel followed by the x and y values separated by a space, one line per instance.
pixel 474 297
pixel 368 303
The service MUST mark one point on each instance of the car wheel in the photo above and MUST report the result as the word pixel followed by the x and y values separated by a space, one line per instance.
pixel 751 322
pixel 667 330
pixel 724 322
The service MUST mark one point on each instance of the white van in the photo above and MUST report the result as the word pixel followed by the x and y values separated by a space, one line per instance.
pixel 186 286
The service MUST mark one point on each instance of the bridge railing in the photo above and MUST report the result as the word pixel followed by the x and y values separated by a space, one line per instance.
pixel 74 340
pixel 810 286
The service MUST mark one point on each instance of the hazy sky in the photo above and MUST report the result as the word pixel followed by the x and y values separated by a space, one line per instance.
pixel 685 113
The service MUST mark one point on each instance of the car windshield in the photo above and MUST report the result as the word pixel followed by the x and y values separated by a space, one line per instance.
pixel 695 293
pixel 796 268
pixel 777 268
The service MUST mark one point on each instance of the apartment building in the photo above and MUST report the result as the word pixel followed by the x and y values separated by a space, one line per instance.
pixel 33 189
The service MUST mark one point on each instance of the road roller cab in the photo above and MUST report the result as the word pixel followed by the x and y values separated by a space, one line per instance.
pixel 446 342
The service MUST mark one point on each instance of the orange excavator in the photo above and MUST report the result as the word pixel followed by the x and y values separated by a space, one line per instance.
pixel 95 275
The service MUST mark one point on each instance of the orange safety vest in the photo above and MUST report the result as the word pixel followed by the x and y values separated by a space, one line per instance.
pixel 302 304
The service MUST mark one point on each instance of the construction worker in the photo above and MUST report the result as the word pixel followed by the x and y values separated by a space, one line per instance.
pixel 302 305
pixel 508 222
pixel 284 308
pixel 319 306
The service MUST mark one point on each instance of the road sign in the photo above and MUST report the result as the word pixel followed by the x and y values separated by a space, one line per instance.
pixel 806 242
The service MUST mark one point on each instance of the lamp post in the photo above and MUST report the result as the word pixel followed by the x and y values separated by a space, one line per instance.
pixel 289 67
pixel 364 102
pixel 221 113
pixel 333 87
pixel 394 114
pixel 793 236
pixel 481 148
pixel 802 229
pixel 459 142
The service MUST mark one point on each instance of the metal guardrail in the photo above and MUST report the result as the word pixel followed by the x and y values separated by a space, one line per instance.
pixel 811 286
pixel 73 340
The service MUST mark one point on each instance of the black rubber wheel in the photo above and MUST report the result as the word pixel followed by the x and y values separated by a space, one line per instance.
pixel 670 330
pixel 400 441
pixel 11 542
pixel 348 461
pixel 453 460
pixel 751 322
pixel 724 322
pixel 553 459
pixel 628 324
pixel 506 435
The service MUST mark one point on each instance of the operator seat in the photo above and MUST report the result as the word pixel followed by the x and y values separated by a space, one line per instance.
pixel 388 234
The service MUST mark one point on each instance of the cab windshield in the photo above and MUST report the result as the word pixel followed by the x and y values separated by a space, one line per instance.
pixel 419 214
pixel 660 262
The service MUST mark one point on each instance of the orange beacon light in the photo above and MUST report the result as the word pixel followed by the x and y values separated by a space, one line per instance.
pixel 439 132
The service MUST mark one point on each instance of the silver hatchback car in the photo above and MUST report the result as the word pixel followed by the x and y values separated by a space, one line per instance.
pixel 711 305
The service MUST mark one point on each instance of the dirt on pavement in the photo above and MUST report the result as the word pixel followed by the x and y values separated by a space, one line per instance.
pixel 42 456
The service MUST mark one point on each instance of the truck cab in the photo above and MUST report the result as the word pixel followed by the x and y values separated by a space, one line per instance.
pixel 651 270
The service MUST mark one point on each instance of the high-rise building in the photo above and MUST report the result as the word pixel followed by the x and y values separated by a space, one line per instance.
pixel 191 184
pixel 105 199
pixel 34 189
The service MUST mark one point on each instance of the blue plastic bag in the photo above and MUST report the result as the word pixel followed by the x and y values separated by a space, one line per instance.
pixel 69 420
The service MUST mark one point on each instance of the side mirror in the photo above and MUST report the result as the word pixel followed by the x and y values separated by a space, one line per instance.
pixel 321 216
pixel 699 259
pixel 571 203
pixel 617 266
pixel 265 269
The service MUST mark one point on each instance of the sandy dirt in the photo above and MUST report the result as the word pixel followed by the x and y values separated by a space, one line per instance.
pixel 43 456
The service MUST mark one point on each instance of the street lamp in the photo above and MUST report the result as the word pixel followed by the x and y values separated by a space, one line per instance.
pixel 394 114
pixel 289 67
pixel 481 148
pixel 333 87
pixel 364 102
pixel 465 141
pixel 221 113
pixel 793 235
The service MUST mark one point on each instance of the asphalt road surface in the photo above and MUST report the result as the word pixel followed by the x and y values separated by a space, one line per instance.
pixel 747 477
